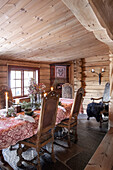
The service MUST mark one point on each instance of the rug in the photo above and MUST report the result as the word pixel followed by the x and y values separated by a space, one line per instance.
pixel 62 154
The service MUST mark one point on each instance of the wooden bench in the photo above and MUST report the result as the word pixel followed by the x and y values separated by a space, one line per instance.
pixel 103 157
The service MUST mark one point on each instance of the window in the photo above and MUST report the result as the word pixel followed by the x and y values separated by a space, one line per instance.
pixel 19 79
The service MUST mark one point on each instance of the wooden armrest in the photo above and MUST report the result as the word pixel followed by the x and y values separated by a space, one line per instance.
pixel 97 98
pixel 107 101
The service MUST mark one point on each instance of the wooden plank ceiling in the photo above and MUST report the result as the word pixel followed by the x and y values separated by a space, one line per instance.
pixel 44 31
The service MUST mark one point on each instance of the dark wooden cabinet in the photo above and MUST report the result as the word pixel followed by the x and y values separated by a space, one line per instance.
pixel 59 74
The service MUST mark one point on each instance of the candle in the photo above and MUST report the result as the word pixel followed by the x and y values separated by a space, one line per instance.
pixel 102 69
pixel 51 88
pixel 17 101
pixel 92 70
pixel 6 94
pixel 45 94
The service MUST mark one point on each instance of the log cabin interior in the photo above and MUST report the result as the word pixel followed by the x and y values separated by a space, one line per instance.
pixel 43 37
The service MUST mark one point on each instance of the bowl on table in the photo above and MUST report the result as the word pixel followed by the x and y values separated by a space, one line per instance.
pixel 28 111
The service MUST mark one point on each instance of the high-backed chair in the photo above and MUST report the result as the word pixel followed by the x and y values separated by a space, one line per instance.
pixel 3 90
pixel 67 91
pixel 45 133
pixel 71 122
pixel 96 110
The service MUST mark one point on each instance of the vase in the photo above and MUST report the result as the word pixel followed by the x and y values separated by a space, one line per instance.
pixel 39 98
pixel 33 99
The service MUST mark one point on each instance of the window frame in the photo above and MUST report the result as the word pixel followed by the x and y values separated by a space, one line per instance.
pixel 22 69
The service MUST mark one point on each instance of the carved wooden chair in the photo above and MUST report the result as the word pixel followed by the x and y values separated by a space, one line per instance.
pixel 96 110
pixel 67 91
pixel 71 122
pixel 45 132
pixel 3 90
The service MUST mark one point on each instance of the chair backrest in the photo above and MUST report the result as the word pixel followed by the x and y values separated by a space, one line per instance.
pixel 77 102
pixel 3 90
pixel 67 91
pixel 48 112
pixel 106 95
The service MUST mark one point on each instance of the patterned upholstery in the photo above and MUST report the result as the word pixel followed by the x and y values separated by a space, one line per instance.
pixel 67 91
pixel 78 101
pixel 106 95
pixel 50 108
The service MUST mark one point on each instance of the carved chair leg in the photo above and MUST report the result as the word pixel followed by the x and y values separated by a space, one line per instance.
pixel 101 120
pixel 100 124
pixel 69 143
pixel 38 155
pixel 88 118
pixel 52 154
pixel 19 153
pixel 76 136
pixel 11 148
pixel 1 155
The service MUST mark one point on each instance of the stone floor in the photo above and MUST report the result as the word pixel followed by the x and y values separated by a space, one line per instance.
pixel 74 158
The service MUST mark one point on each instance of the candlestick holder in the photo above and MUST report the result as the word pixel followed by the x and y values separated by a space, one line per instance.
pixel 7 115
pixel 17 108
pixel 99 74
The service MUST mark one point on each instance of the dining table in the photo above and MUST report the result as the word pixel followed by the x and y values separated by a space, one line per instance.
pixel 13 130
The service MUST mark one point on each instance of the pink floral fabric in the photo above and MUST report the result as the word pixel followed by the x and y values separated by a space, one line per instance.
pixel 13 130
pixel 61 114
pixel 66 102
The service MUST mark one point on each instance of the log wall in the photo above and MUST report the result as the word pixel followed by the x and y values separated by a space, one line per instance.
pixel 44 71
pixel 90 81
pixel 77 74
pixel 82 75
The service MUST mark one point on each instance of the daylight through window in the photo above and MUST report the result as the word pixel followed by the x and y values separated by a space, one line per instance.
pixel 19 79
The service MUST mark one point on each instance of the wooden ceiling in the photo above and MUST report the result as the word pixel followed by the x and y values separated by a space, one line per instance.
pixel 44 31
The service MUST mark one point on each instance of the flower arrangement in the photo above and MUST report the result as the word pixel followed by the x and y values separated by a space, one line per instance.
pixel 35 88
pixel 41 87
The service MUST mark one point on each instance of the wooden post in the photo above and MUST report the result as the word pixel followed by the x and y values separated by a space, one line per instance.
pixel 111 91
pixel 71 75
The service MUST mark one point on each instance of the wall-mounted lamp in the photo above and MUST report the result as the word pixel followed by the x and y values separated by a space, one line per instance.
pixel 99 74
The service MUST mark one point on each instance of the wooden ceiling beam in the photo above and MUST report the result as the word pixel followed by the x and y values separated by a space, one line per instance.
pixel 95 16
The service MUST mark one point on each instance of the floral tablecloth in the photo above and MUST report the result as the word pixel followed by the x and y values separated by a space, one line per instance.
pixel 61 114
pixel 13 130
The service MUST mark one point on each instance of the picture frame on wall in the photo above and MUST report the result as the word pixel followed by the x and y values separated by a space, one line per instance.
pixel 60 72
